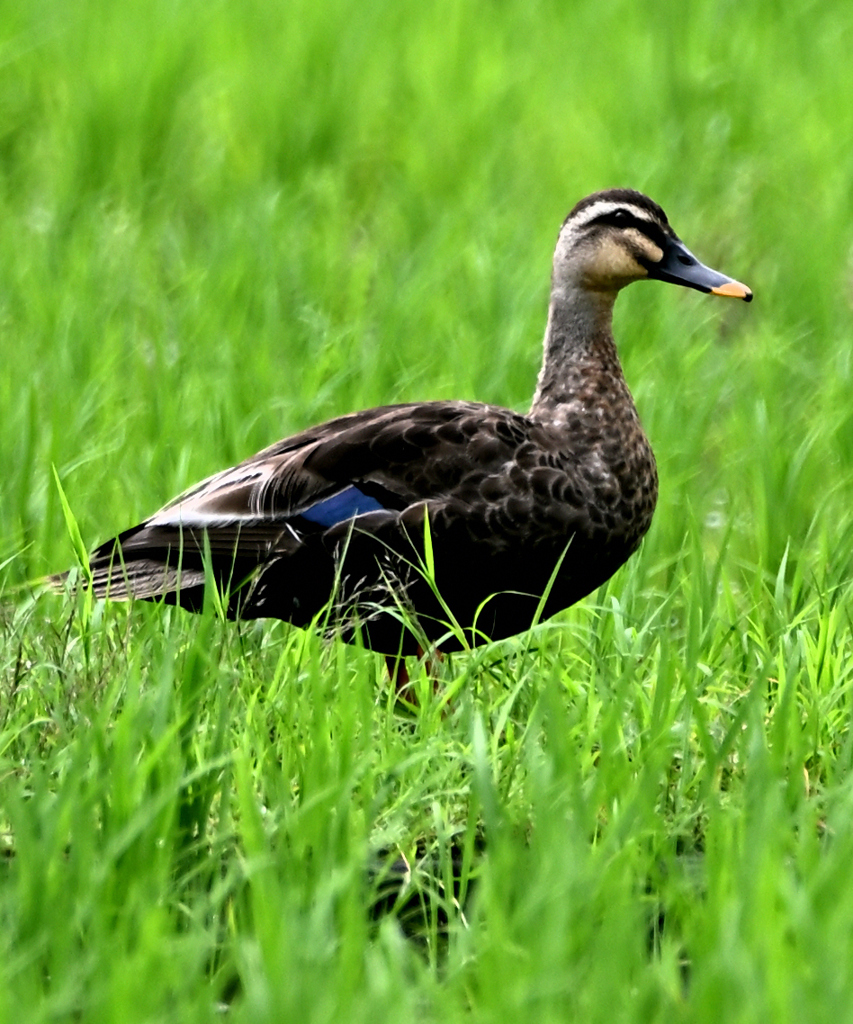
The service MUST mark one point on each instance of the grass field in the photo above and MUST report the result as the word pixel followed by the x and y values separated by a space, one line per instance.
pixel 220 222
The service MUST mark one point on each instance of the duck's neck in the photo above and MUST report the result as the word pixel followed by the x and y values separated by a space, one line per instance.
pixel 580 364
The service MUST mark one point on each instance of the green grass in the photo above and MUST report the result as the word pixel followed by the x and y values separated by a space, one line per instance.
pixel 220 222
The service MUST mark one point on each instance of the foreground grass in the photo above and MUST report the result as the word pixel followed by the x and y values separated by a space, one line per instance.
pixel 212 818
pixel 221 222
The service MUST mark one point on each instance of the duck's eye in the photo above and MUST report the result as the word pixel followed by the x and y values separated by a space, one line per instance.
pixel 621 218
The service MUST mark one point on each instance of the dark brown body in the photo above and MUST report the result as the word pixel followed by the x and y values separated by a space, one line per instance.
pixel 410 522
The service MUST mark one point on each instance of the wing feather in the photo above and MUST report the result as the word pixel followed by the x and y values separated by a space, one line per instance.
pixel 294 503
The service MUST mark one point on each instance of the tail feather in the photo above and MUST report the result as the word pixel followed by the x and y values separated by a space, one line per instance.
pixel 261 571
pixel 143 578
pixel 142 564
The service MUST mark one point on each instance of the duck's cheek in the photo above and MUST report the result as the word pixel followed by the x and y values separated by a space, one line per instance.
pixel 614 266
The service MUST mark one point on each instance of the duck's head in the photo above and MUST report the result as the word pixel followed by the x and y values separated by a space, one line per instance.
pixel 614 237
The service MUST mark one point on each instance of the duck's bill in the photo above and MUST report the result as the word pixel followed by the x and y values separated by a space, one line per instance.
pixel 733 289
pixel 680 266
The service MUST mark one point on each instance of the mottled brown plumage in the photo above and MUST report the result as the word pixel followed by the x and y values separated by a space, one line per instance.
pixel 335 517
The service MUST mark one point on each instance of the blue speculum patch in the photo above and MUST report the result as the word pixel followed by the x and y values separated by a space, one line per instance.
pixel 340 507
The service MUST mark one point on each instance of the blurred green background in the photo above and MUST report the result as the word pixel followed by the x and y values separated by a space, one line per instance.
pixel 222 221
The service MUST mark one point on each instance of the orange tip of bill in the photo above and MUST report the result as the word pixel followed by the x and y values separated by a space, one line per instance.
pixel 734 290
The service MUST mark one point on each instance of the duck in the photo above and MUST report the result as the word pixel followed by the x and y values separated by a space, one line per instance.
pixel 448 523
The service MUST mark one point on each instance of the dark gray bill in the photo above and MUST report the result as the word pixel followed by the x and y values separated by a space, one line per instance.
pixel 680 266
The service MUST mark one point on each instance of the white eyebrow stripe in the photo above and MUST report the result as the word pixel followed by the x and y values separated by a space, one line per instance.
pixel 604 206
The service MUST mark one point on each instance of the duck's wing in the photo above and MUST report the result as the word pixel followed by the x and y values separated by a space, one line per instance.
pixel 369 467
